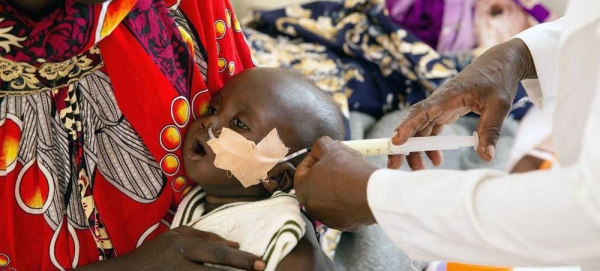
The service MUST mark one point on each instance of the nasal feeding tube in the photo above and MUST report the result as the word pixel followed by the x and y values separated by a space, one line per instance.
pixel 384 146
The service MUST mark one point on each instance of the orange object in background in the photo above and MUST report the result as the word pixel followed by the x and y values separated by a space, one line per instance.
pixel 465 267
pixel 547 164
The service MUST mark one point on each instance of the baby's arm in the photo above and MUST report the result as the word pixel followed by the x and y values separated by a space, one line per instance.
pixel 307 255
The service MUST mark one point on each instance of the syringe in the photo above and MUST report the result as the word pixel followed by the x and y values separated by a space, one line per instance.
pixel 384 146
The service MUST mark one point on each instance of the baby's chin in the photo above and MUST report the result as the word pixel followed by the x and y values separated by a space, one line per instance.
pixel 232 188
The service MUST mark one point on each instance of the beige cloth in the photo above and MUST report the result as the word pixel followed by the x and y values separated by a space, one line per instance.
pixel 269 228
pixel 247 161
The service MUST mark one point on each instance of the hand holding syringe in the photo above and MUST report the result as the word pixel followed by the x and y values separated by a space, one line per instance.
pixel 384 146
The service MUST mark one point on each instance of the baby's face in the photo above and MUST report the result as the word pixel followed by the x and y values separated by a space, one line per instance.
pixel 244 109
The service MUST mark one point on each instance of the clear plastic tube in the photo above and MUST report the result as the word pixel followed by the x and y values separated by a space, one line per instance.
pixel 384 146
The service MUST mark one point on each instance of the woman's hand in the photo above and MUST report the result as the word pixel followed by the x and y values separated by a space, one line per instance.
pixel 183 248
pixel 487 87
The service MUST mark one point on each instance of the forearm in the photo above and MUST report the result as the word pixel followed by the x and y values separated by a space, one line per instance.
pixel 523 59
pixel 542 42
pixel 490 218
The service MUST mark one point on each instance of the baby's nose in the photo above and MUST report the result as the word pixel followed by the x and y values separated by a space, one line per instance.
pixel 213 134
pixel 211 122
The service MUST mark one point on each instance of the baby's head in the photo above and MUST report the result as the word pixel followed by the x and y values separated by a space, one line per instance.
pixel 252 103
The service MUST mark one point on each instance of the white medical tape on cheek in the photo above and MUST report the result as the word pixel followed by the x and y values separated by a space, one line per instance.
pixel 230 148
pixel 247 161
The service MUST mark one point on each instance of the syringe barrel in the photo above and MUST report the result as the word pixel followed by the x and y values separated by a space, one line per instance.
pixel 383 146
pixel 371 147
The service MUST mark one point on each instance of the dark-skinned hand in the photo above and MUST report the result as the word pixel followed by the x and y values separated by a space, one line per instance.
pixel 182 248
pixel 331 183
pixel 487 87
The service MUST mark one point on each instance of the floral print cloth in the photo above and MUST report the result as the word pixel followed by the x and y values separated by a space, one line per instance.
pixel 355 52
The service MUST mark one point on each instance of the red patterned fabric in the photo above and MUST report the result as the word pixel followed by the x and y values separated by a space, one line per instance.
pixel 94 103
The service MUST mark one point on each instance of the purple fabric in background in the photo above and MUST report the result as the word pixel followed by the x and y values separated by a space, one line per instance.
pixel 447 25
pixel 458 31
pixel 537 11
pixel 422 18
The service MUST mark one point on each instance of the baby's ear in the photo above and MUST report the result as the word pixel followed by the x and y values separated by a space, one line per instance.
pixel 281 178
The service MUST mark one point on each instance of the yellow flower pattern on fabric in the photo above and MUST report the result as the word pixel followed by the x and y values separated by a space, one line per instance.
pixel 24 79
pixel 9 71
pixel 350 49
pixel 7 39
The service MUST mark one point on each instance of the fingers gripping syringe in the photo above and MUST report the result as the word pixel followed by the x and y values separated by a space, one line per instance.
pixel 384 146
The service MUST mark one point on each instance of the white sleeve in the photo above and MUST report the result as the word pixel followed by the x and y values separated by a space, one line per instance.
pixel 543 218
pixel 543 43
